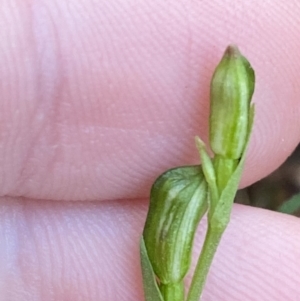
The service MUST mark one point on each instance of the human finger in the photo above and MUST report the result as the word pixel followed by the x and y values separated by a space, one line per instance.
pixel 98 98
pixel 89 251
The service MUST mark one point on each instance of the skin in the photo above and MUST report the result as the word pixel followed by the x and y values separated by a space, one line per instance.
pixel 97 99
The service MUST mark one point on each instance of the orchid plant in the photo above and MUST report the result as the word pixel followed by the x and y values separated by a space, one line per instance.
pixel 181 196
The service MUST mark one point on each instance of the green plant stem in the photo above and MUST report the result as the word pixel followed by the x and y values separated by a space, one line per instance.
pixel 212 239
pixel 172 291
pixel 224 168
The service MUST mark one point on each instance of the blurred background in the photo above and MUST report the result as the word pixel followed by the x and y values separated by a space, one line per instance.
pixel 280 191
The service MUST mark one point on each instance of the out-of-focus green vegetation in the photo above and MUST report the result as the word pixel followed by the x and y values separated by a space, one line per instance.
pixel 280 191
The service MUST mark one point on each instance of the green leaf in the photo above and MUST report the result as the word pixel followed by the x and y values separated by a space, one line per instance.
pixel 208 171
pixel 290 206
pixel 151 289
pixel 177 203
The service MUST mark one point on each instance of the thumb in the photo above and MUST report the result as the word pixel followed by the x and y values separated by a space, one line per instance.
pixel 75 251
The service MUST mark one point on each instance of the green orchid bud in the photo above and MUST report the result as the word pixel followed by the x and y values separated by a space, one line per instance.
pixel 177 203
pixel 231 91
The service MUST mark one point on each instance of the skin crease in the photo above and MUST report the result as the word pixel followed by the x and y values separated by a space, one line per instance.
pixel 97 99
